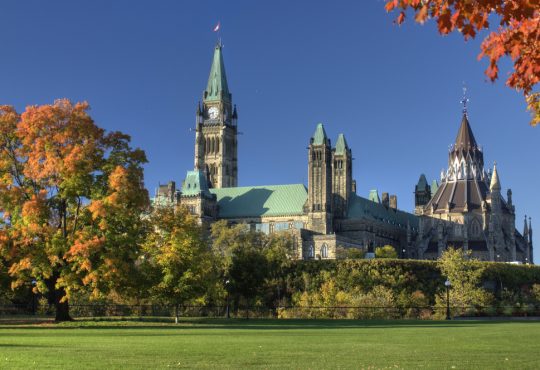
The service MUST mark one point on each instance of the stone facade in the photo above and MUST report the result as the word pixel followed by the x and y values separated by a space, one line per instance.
pixel 467 210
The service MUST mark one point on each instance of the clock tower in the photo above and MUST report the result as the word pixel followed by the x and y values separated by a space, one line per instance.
pixel 216 144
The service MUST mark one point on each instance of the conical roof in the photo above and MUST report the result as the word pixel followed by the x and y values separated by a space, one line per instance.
pixel 319 136
pixel 217 87
pixel 465 137
pixel 341 145
pixel 422 183
pixel 434 187
pixel 495 182
pixel 374 196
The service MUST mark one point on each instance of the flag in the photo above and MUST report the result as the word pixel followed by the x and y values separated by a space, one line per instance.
pixel 216 28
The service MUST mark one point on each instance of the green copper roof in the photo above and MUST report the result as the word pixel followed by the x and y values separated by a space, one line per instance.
pixel 319 137
pixel 217 87
pixel 374 196
pixel 259 201
pixel 434 187
pixel 366 208
pixel 341 145
pixel 422 183
pixel 195 183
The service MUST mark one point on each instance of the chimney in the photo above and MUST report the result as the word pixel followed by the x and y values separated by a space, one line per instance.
pixel 353 187
pixel 393 201
pixel 385 200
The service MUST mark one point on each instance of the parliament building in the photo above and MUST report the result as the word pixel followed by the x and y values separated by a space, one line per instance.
pixel 466 210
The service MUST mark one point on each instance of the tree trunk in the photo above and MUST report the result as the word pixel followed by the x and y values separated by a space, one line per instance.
pixel 62 308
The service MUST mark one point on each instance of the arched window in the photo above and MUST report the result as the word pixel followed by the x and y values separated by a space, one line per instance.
pixel 475 228
pixel 311 251
pixel 324 251
pixel 217 145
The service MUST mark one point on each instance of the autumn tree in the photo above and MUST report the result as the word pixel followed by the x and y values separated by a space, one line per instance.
pixel 181 264
pixel 517 37
pixel 71 197
pixel 386 251
pixel 465 276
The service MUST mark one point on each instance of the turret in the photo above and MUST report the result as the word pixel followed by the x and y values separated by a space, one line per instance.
pixel 196 196
pixel 434 187
pixel 495 189
pixel 509 200
pixel 341 177
pixel 422 194
pixel 320 182
pixel 526 230
pixel 530 241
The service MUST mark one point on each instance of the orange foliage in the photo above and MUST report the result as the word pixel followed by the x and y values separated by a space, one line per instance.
pixel 518 36
pixel 59 140
pixel 71 198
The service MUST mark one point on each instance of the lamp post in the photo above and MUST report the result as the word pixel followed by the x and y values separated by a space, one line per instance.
pixel 404 251
pixel 447 284
pixel 227 307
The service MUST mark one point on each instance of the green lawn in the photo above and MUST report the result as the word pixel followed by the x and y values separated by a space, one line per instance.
pixel 217 343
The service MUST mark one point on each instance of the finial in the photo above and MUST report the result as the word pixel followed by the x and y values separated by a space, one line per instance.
pixel 464 100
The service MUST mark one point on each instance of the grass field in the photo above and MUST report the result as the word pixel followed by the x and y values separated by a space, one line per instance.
pixel 216 343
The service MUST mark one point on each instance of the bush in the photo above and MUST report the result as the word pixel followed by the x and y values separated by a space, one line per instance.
pixel 385 252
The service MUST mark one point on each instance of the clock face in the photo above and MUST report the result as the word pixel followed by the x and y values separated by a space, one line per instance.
pixel 213 112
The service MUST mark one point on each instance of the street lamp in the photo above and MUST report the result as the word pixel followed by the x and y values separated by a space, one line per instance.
pixel 227 289
pixel 404 251
pixel 447 284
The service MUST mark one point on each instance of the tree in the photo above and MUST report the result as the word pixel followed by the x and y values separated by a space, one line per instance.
pixel 385 252
pixel 517 37
pixel 71 197
pixel 252 262
pixel 350 253
pixel 465 276
pixel 178 255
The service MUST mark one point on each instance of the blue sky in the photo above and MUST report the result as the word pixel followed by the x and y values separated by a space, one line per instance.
pixel 393 91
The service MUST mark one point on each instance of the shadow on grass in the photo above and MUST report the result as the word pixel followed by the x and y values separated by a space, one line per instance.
pixel 246 324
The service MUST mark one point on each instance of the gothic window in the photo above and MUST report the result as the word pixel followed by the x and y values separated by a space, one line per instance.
pixel 271 227
pixel 217 145
pixel 475 228
pixel 311 251
pixel 324 251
